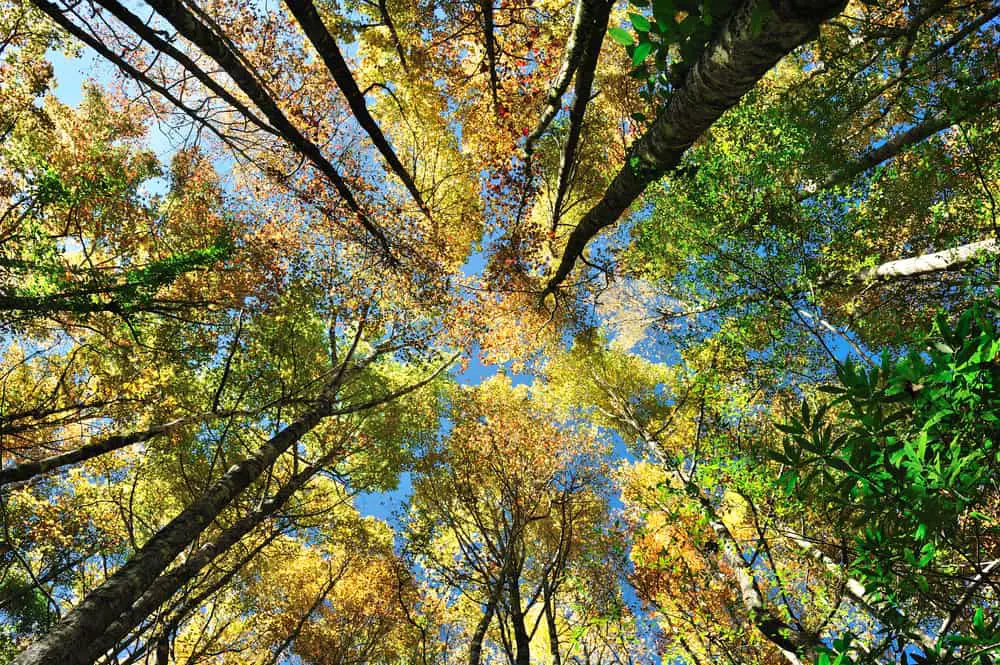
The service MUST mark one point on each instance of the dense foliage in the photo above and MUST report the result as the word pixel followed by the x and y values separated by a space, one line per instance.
pixel 522 331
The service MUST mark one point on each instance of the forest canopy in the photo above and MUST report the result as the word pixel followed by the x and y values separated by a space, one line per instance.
pixel 420 332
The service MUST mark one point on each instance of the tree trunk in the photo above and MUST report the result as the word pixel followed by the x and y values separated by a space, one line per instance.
pixel 574 49
pixel 521 639
pixel 476 643
pixel 743 51
pixel 550 624
pixel 387 19
pixel 793 644
pixel 918 133
pixel 28 470
pixel 312 24
pixel 887 614
pixel 491 57
pixel 168 584
pixel 584 83
pixel 75 639
pixel 188 25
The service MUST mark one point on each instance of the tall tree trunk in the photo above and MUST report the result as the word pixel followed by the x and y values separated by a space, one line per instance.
pixel 521 639
pixel 795 645
pixel 491 56
pixel 476 643
pixel 584 82
pixel 163 649
pixel 745 48
pixel 878 608
pixel 201 35
pixel 75 639
pixel 312 24
pixel 914 267
pixel 28 470
pixel 582 21
pixel 168 584
pixel 550 623
pixel 161 46
pixel 387 19
pixel 920 132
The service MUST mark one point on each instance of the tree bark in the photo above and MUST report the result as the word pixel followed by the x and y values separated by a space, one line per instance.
pixel 167 585
pixel 76 639
pixel 550 625
pixel 387 19
pixel 491 55
pixel 574 50
pixel 142 78
pixel 28 470
pixel 889 615
pixel 476 642
pixel 112 609
pixel 920 132
pixel 914 267
pixel 584 84
pixel 522 641
pixel 154 39
pixel 736 59
pixel 793 644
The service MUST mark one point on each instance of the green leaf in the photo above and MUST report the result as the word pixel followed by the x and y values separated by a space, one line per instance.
pixel 663 12
pixel 839 464
pixel 621 36
pixel 641 53
pixel 944 348
pixel 639 22
pixel 776 456
pixel 927 553
pixel 979 621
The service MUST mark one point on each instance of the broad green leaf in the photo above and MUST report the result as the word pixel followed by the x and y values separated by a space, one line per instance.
pixel 641 53
pixel 639 22
pixel 621 36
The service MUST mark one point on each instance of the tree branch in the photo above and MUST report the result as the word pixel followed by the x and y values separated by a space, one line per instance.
pixel 215 47
pixel 28 470
pixel 312 24
pixel 582 22
pixel 491 55
pixel 914 267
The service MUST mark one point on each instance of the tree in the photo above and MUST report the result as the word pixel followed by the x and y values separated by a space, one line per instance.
pixel 502 514
pixel 909 467
pixel 268 259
